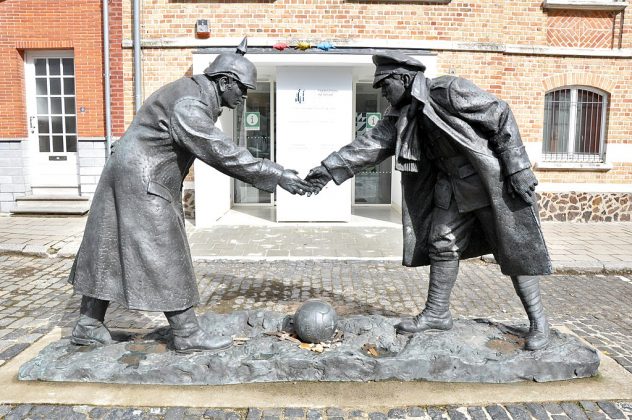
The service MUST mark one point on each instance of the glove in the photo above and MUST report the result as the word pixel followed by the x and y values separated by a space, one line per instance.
pixel 523 183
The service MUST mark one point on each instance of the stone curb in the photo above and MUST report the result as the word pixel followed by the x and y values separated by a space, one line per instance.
pixel 69 251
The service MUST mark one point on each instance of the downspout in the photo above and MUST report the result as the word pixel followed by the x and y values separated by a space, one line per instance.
pixel 138 93
pixel 106 77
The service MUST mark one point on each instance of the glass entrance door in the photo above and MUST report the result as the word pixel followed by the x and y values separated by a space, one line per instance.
pixel 50 83
pixel 373 185
pixel 254 128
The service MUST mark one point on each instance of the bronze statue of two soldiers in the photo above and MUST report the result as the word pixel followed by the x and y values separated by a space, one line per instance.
pixel 467 188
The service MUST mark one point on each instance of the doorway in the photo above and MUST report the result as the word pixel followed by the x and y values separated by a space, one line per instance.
pixel 372 185
pixel 254 130
pixel 52 121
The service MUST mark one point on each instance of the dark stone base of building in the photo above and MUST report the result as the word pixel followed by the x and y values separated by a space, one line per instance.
pixel 585 207
pixel 366 349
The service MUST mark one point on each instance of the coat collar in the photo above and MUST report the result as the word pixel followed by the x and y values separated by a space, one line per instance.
pixel 209 93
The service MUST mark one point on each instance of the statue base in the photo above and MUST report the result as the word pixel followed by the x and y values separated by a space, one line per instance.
pixel 366 348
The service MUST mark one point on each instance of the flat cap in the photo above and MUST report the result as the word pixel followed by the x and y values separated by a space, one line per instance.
pixel 394 62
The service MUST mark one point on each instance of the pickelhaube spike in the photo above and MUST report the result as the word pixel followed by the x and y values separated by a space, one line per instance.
pixel 243 46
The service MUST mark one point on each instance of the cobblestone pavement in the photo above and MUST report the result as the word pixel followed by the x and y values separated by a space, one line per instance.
pixel 34 298
pixel 585 410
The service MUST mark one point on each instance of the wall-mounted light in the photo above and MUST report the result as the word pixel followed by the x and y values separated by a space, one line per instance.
pixel 201 29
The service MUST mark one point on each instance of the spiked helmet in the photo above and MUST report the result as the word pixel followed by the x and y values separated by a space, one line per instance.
pixel 235 65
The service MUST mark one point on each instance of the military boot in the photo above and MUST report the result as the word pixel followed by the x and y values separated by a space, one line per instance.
pixel 528 289
pixel 436 315
pixel 188 337
pixel 89 329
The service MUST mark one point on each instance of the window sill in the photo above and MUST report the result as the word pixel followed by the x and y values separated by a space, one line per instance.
pixel 573 166
pixel 586 4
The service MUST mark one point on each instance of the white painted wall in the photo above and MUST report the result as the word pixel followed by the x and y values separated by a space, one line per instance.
pixel 314 117
pixel 212 188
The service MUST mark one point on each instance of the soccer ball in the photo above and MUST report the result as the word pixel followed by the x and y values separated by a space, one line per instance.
pixel 315 321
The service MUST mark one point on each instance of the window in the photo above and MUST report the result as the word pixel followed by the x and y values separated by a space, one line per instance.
pixel 575 124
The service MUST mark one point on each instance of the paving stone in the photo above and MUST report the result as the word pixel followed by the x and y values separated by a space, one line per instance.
pixel 436 413
pixel 559 417
pixel 553 408
pixel 537 411
pixel 611 410
pixel 254 414
pixel 415 412
pixel 455 414
pixel 45 412
pixel 357 414
pixel 175 413
pixel 314 414
pixel 396 413
pixel 497 412
pixel 13 351
pixel 4 409
pixel 518 412
pixel 294 412
pixel 19 412
pixel 477 413
pixel 573 411
pixel 215 414
pixel 376 415
pixel 334 412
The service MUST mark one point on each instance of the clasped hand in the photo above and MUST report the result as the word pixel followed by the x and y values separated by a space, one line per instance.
pixel 313 183
pixel 292 183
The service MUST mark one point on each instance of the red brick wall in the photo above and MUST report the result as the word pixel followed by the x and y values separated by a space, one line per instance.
pixel 58 24
pixel 517 78
pixel 580 29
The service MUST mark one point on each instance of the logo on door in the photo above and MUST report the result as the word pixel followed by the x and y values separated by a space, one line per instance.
pixel 300 96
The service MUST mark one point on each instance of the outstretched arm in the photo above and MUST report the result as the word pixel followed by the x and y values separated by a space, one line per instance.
pixel 192 128
pixel 367 149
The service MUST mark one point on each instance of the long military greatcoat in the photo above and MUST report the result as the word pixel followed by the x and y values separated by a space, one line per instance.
pixel 483 129
pixel 135 249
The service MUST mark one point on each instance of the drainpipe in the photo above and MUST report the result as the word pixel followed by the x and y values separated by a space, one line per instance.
pixel 106 77
pixel 138 93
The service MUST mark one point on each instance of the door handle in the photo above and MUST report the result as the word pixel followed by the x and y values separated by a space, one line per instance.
pixel 32 123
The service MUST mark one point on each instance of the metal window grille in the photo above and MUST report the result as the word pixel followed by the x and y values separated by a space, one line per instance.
pixel 574 125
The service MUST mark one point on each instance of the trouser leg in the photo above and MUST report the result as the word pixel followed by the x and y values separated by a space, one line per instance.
pixel 89 329
pixel 528 289
pixel 449 235
pixel 189 337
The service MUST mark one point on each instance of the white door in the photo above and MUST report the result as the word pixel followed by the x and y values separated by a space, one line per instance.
pixel 52 121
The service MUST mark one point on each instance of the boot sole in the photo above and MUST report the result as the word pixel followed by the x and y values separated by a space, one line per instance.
pixel 202 349
pixel 85 342
pixel 402 332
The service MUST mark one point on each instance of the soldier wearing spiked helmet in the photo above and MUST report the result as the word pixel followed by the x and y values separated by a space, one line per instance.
pixel 135 249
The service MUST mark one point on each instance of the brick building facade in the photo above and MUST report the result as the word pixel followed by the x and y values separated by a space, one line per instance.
pixel 564 66
pixel 51 59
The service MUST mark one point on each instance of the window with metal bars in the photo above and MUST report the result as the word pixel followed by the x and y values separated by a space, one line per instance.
pixel 575 124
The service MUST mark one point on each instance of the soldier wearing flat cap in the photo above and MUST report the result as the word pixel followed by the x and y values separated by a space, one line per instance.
pixel 467 185
pixel 135 249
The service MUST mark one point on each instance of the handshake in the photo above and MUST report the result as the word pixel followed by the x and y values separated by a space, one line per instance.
pixel 315 180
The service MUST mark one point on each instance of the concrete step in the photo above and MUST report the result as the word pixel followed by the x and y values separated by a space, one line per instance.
pixel 50 210
pixel 52 204
pixel 51 197
pixel 54 190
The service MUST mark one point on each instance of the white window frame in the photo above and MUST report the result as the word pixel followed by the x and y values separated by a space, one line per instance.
pixel 572 125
